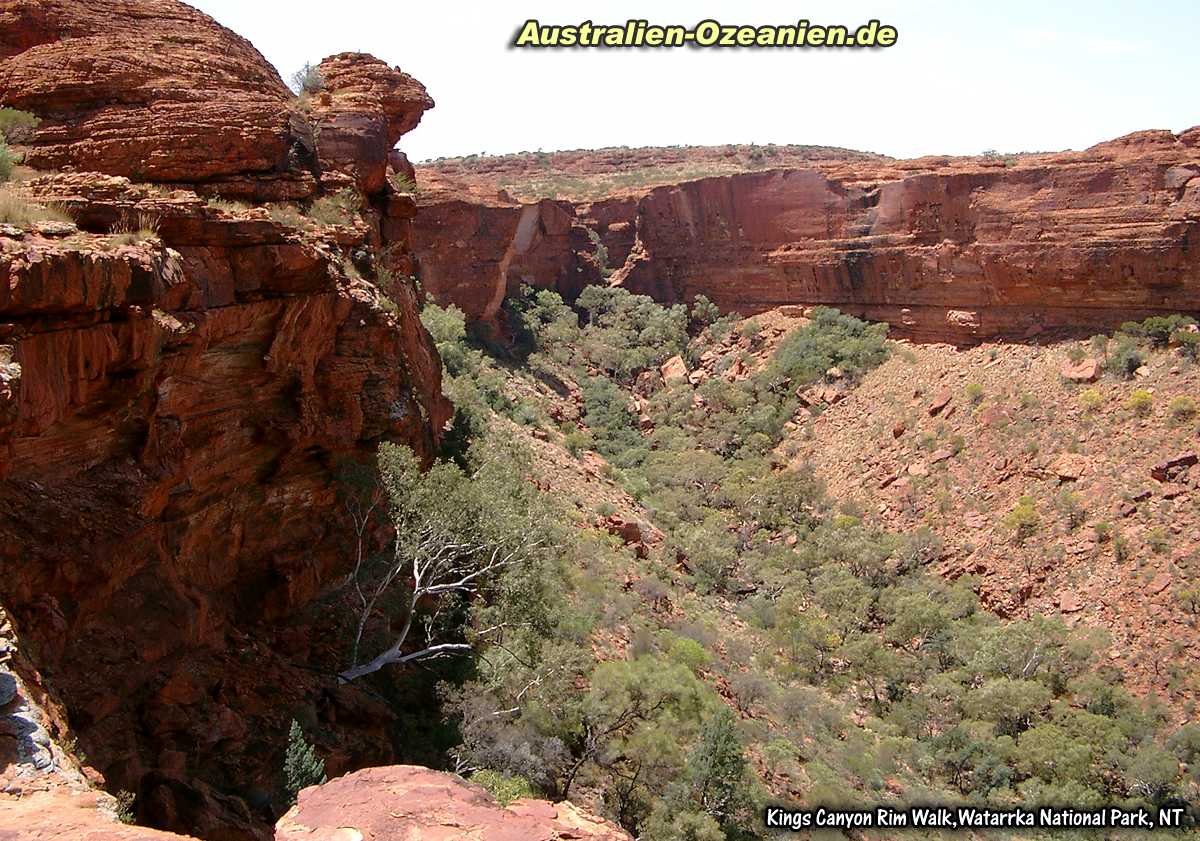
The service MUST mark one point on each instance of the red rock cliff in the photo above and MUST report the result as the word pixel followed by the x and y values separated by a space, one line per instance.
pixel 943 248
pixel 174 409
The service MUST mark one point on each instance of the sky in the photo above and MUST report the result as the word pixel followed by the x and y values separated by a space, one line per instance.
pixel 963 77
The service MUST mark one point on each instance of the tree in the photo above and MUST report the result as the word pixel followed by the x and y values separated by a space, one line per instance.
pixel 456 535
pixel 301 765
pixel 714 780
pixel 307 80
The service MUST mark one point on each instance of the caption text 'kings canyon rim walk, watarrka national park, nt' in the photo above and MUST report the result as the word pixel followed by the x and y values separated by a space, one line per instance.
pixel 644 492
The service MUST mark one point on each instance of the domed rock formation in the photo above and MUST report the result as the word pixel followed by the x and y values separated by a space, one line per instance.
pixel 155 90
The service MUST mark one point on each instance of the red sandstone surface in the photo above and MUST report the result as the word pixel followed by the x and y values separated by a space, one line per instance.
pixel 174 407
pixel 951 249
pixel 409 803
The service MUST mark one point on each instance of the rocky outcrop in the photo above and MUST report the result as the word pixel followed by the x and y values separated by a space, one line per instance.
pixel 944 249
pixel 177 405
pixel 363 108
pixel 407 803
pixel 157 91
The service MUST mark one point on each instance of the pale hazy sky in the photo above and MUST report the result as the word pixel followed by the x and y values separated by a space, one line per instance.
pixel 964 76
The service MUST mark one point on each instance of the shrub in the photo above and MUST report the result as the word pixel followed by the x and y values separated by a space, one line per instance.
pixel 1157 540
pixel 7 161
pixel 1023 519
pixel 504 788
pixel 307 80
pixel 704 311
pixel 401 183
pixel 830 340
pixel 974 392
pixel 1182 408
pixel 16 210
pixel 286 213
pixel 577 442
pixel 1140 402
pixel 1091 400
pixel 1069 504
pixel 339 208
pixel 1159 328
pixel 1188 342
pixel 14 124
pixel 301 765
pixel 126 806
pixel 1124 358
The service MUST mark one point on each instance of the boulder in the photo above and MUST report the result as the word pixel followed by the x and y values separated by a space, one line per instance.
pixel 1170 469
pixel 674 371
pixel 1083 371
pixel 940 402
pixel 1069 467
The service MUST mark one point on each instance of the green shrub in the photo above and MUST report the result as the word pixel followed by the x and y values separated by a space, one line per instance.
pixel 14 124
pixel 7 161
pixel 504 788
pixel 126 806
pixel 1140 402
pixel 340 208
pixel 1159 328
pixel 704 311
pixel 1188 342
pixel 307 80
pixel 830 340
pixel 1182 408
pixel 1124 358
pixel 1023 520
pixel 974 393
pixel 1091 400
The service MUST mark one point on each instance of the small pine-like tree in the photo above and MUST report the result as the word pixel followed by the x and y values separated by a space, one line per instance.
pixel 301 766
pixel 716 771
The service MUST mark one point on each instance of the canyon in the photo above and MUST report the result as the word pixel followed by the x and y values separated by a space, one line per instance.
pixel 189 367
pixel 943 249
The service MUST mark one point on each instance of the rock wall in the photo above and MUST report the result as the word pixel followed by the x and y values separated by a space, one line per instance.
pixel 475 254
pixel 944 249
pixel 175 408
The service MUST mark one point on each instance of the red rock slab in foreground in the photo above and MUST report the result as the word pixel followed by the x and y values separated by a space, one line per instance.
pixel 411 803
pixel 62 814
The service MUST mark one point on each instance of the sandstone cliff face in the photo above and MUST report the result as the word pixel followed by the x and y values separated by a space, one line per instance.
pixel 174 409
pixel 476 254
pixel 943 249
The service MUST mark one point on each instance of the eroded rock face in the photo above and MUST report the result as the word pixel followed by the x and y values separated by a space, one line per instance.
pixel 155 90
pixel 363 109
pixel 407 803
pixel 943 249
pixel 174 416
pixel 475 254
pixel 175 409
